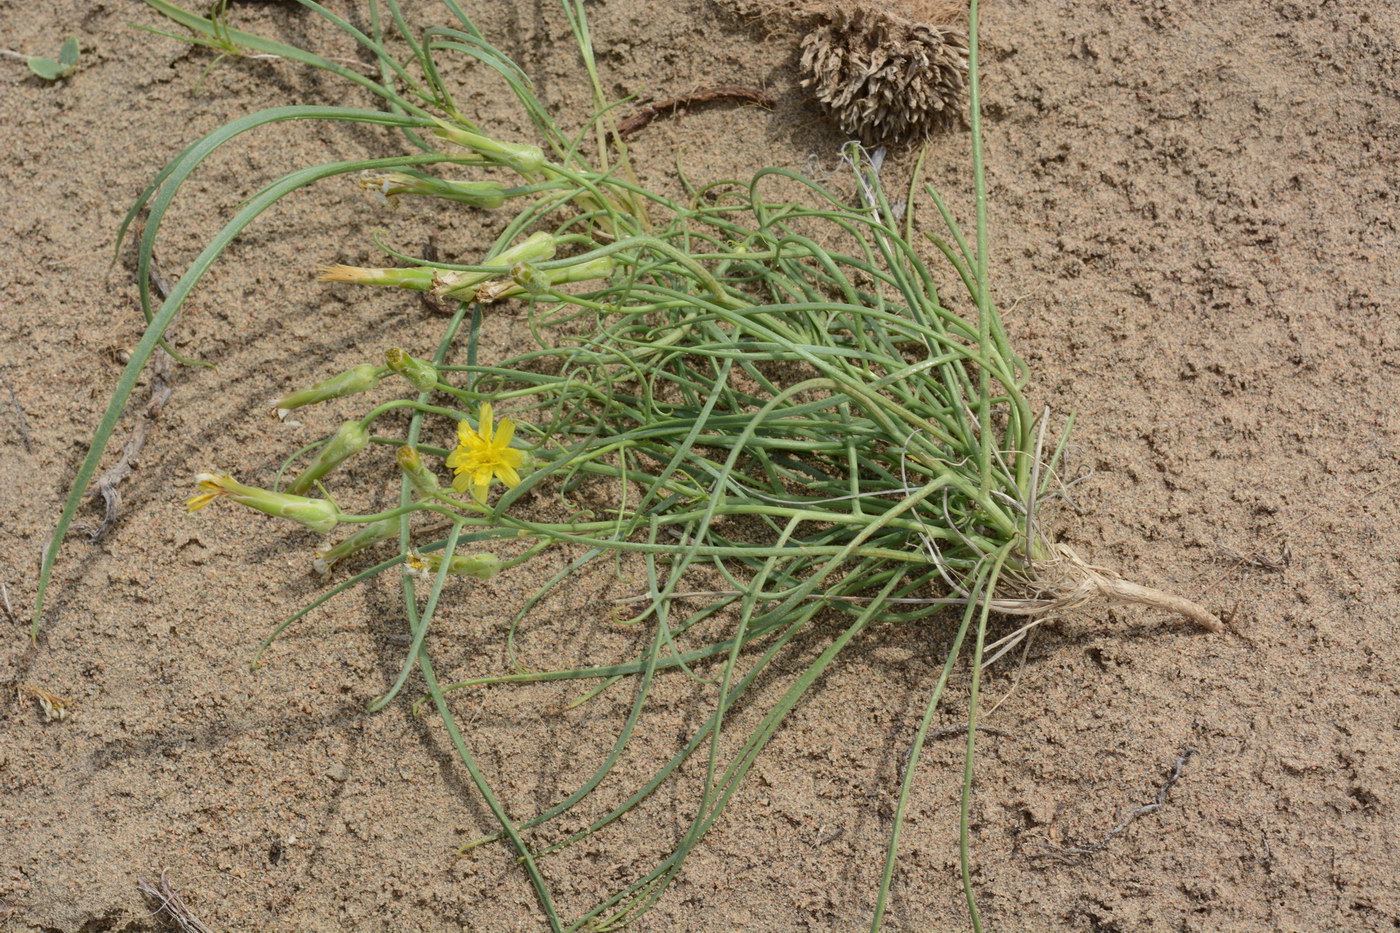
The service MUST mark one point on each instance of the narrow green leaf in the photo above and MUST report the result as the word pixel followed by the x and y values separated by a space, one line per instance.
pixel 161 320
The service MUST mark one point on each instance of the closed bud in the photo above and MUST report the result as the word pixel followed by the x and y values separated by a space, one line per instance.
pixel 422 479
pixel 362 377
pixel 420 374
pixel 387 188
pixel 417 278
pixel 526 279
pixel 524 159
pixel 328 555
pixel 351 438
pixel 535 282
pixel 479 566
pixel 538 247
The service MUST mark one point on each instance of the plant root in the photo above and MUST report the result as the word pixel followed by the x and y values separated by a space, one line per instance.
pixel 1066 581
pixel 1125 592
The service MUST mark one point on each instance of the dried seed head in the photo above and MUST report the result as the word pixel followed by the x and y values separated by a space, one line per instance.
pixel 884 78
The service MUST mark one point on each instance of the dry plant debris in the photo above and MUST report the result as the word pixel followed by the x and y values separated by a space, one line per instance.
pixel 169 908
pixel 884 78
pixel 661 108
pixel 1074 855
pixel 159 395
pixel 55 707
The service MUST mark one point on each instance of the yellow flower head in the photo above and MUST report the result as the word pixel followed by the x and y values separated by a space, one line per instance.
pixel 483 455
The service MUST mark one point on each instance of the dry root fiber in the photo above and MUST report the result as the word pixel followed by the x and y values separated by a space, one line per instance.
pixel 885 78
pixel 1066 581
pixel 1079 582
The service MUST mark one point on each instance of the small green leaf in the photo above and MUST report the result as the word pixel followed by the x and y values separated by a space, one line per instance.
pixel 68 55
pixel 47 68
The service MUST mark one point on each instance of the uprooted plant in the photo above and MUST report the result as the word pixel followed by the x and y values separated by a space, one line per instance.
pixel 762 392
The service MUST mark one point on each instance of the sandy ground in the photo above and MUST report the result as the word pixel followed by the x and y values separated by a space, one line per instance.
pixel 1194 216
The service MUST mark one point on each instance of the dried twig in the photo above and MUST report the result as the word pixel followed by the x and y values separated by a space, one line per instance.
pixel 665 108
pixel 19 412
pixel 107 483
pixel 961 728
pixel 1259 560
pixel 169 908
pixel 1073 855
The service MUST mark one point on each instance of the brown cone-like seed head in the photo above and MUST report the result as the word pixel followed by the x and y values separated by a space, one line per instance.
pixel 885 79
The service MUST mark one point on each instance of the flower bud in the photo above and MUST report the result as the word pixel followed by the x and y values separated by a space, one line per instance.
pixel 535 282
pixel 525 159
pixel 317 514
pixel 328 555
pixel 538 247
pixel 422 479
pixel 387 188
pixel 480 566
pixel 420 374
pixel 362 377
pixel 418 278
pixel 351 438
pixel 532 281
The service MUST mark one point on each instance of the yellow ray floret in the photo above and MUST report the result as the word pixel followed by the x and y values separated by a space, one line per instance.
pixel 484 454
pixel 316 514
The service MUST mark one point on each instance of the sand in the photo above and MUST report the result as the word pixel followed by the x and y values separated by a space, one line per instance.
pixel 1193 210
